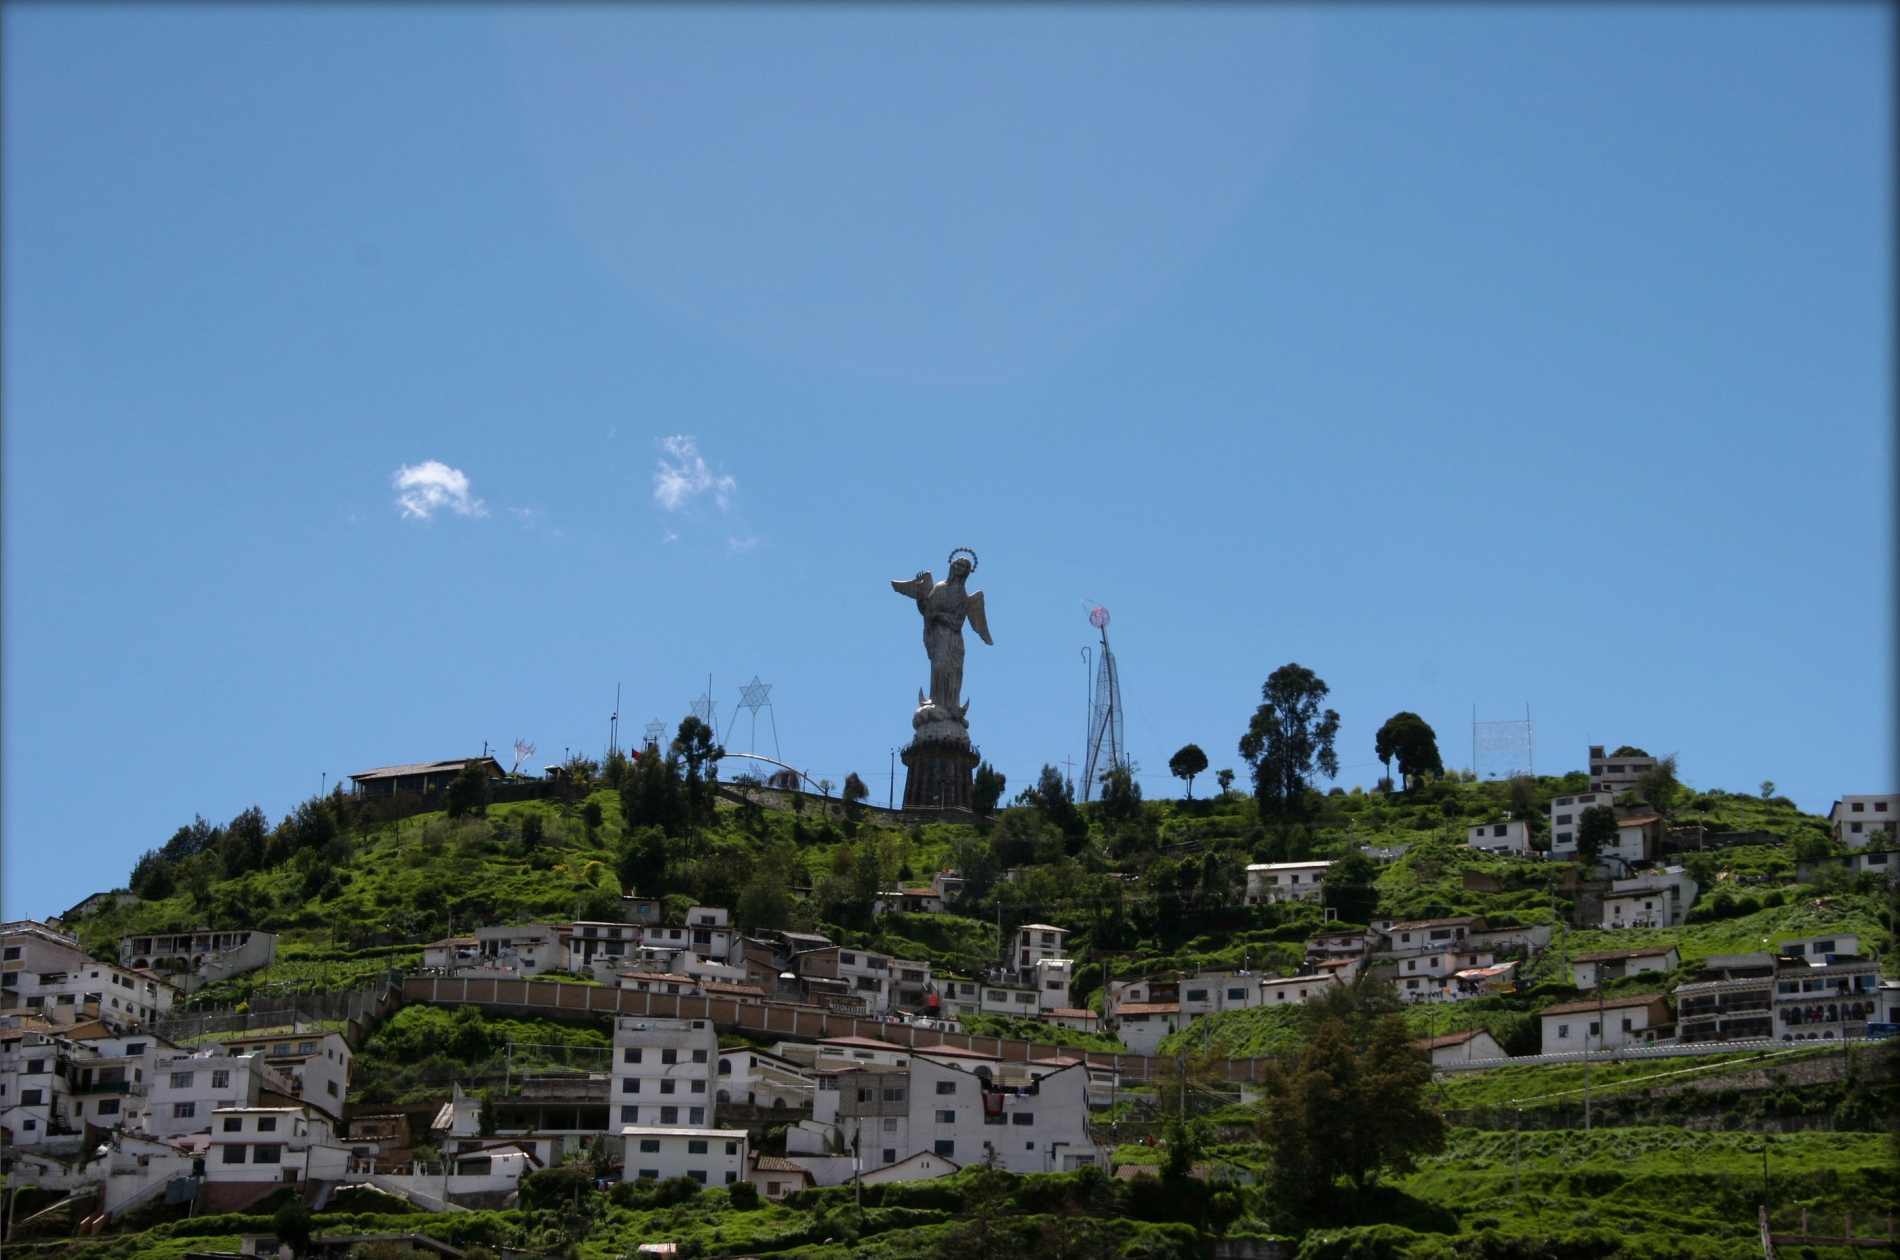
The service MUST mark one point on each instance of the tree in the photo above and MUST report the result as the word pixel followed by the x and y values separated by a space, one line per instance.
pixel 1657 785
pixel 591 815
pixel 1121 794
pixel 987 790
pixel 1289 740
pixel 1596 831
pixel 1053 796
pixel 700 757
pixel 854 794
pixel 1226 780
pixel 653 795
pixel 1408 737
pixel 1187 763
pixel 1348 888
pixel 533 828
pixel 1768 789
pixel 643 862
pixel 467 792
pixel 291 1224
pixel 485 1119
pixel 1343 1113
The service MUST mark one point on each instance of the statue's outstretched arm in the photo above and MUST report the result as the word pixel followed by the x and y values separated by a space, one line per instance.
pixel 916 587
pixel 973 609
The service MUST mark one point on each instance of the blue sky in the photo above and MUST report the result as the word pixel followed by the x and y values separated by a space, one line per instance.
pixel 1490 356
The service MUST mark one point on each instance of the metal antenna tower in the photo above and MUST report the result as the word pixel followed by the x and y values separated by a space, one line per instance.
pixel 755 695
pixel 1107 749
pixel 613 725
pixel 656 731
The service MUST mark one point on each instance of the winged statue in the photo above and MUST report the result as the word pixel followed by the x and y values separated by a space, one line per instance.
pixel 945 606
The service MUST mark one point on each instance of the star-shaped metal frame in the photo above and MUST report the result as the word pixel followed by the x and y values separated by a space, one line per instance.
pixel 755 695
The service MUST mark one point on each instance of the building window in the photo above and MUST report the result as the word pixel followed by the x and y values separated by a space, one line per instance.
pixel 1236 995
pixel 233 1125
pixel 697 1174
pixel 220 1079
pixel 180 1080
pixel 184 1111
pixel 31 1097
pixel 630 1055
pixel 649 1146
pixel 946 1117
pixel 1023 1118
pixel 696 1115
pixel 630 1115
pixel 268 1155
pixel 946 1087
pixel 1194 995
pixel 108 1107
pixel 1563 1032
pixel 1595 1028
pixel 669 1115
pixel 234 1154
pixel 267 1124
pixel 894 1093
pixel 669 1056
pixel 698 1087
pixel 668 1087
pixel 699 1056
pixel 696 1146
pixel 890 1155
pixel 946 1148
pixel 629 1084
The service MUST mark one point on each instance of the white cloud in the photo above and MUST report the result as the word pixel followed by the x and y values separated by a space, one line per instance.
pixel 678 485
pixel 431 486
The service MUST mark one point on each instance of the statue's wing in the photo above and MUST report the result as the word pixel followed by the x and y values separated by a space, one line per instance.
pixel 979 622
pixel 916 588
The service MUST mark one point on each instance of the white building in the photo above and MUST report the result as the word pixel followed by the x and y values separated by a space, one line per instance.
pixel 663 1073
pixel 1280 881
pixel 1631 1020
pixel 712 1157
pixel 1825 988
pixel 273 1144
pixel 1590 970
pixel 520 950
pixel 44 971
pixel 1857 820
pixel 452 954
pixel 188 1088
pixel 955 1110
pixel 1566 814
pixel 194 959
pixel 707 933
pixel 1037 943
pixel 1474 1045
pixel 1639 837
pixel 1513 835
pixel 759 1078
pixel 317 1064
pixel 600 947
pixel 1616 774
pixel 1651 899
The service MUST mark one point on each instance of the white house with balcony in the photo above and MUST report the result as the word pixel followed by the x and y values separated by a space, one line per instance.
pixel 1651 899
pixel 44 972
pixel 759 1078
pixel 958 1111
pixel 663 1072
pixel 1860 820
pixel 194 959
pixel 517 951
pixel 317 1064
pixel 1616 774
pixel 1268 882
pixel 273 1144
pixel 188 1088
pixel 1566 815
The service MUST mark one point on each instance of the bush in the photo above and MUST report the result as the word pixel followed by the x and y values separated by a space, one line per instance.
pixel 554 1187
pixel 743 1195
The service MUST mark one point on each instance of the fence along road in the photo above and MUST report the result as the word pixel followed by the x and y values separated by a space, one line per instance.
pixel 552 997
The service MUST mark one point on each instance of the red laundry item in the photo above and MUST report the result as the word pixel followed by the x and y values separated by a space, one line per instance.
pixel 992 1104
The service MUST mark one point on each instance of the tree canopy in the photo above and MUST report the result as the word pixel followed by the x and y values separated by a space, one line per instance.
pixel 1596 831
pixel 1289 740
pixel 1410 739
pixel 1187 763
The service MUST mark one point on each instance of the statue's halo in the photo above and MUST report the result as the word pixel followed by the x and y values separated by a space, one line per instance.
pixel 962 551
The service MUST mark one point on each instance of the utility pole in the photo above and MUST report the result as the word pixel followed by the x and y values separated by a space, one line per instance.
pixel 1517 1155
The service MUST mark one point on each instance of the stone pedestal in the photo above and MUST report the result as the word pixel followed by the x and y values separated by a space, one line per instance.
pixel 939 774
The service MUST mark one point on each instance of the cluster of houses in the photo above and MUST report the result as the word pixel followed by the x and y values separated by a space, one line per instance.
pixel 708 957
pixel 90 1098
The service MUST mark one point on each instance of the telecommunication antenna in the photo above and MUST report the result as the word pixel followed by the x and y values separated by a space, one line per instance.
pixel 613 725
pixel 754 696
pixel 523 751
pixel 1107 749
pixel 656 731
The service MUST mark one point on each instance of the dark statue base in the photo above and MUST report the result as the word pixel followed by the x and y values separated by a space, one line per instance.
pixel 939 775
